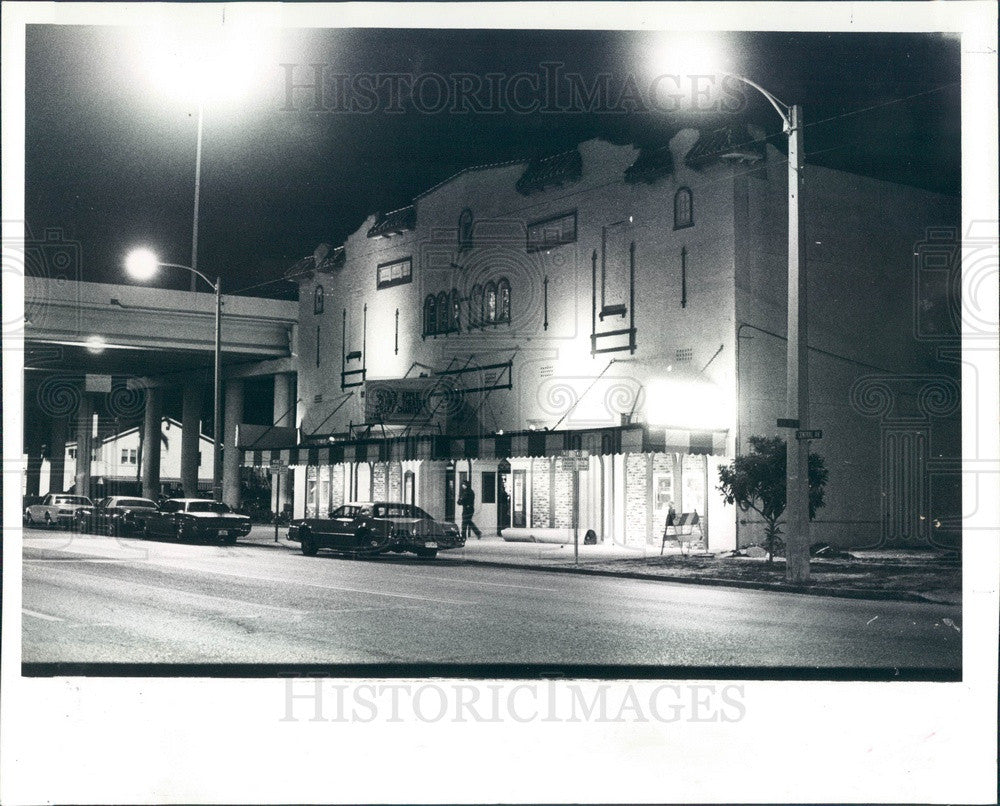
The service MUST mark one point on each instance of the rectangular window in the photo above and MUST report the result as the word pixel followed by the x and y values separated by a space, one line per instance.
pixel 397 272
pixel 132 455
pixel 551 232
pixel 489 487
pixel 124 456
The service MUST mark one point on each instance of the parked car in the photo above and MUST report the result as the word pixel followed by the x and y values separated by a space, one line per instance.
pixel 57 509
pixel 195 518
pixel 117 515
pixel 369 528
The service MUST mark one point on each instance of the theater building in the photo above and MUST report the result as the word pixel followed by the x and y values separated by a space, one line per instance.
pixel 626 306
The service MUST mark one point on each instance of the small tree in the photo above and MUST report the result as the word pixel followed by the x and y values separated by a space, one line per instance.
pixel 757 481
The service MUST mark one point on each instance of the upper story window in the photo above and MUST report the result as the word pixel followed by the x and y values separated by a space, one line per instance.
pixel 430 315
pixel 476 306
pixel 551 232
pixel 683 208
pixel 490 304
pixel 441 313
pixel 465 229
pixel 396 272
pixel 318 300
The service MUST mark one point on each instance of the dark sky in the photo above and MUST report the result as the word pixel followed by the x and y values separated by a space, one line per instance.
pixel 110 164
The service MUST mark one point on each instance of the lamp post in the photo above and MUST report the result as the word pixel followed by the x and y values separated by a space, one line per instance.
pixel 797 394
pixel 142 264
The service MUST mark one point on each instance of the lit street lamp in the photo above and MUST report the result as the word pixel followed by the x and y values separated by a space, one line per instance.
pixel 797 400
pixel 142 264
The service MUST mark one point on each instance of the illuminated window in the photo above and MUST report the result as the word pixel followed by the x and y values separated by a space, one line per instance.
pixel 683 208
pixel 490 303
pixel 318 300
pixel 396 272
pixel 503 303
pixel 443 314
pixel 453 308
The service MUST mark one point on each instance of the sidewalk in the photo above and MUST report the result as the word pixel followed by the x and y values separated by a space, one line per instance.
pixel 882 575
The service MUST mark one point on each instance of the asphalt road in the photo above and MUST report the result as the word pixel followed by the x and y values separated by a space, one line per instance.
pixel 105 600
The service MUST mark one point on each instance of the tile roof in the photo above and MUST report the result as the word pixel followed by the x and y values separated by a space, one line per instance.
pixel 650 165
pixel 556 169
pixel 330 260
pixel 395 221
pixel 730 143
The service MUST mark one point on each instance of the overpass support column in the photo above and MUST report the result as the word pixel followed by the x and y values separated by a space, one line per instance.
pixel 151 435
pixel 284 415
pixel 57 455
pixel 230 453
pixel 84 443
pixel 190 438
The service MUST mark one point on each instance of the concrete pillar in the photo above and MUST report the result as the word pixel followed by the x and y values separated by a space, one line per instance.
pixel 190 438
pixel 151 435
pixel 84 443
pixel 230 453
pixel 284 415
pixel 57 455
pixel 33 471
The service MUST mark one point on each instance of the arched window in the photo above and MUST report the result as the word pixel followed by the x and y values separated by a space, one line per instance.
pixel 476 306
pixel 490 303
pixel 318 300
pixel 453 309
pixel 430 318
pixel 683 208
pixel 503 301
pixel 465 229
pixel 442 312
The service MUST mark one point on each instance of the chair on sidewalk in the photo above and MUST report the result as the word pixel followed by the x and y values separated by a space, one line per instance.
pixel 683 526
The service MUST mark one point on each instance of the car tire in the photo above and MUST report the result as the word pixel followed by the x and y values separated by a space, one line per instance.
pixel 427 554
pixel 228 540
pixel 308 544
pixel 29 521
pixel 48 521
pixel 146 534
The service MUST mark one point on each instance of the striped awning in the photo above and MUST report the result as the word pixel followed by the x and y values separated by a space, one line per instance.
pixel 521 444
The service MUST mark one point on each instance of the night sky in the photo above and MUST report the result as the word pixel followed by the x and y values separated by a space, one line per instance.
pixel 110 164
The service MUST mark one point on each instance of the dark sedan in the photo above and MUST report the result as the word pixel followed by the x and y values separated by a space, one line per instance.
pixel 369 528
pixel 117 515
pixel 196 519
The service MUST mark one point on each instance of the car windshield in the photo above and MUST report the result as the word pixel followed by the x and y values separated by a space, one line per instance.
pixel 207 506
pixel 73 499
pixel 135 502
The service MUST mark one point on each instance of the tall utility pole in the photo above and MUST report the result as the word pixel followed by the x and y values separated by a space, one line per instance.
pixel 797 456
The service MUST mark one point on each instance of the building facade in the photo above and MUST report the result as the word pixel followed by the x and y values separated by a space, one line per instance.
pixel 116 461
pixel 625 306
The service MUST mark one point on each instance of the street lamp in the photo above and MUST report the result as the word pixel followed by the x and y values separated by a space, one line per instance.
pixel 142 264
pixel 797 395
pixel 691 52
pixel 215 59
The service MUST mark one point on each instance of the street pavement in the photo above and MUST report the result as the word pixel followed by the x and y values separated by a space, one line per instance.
pixel 105 600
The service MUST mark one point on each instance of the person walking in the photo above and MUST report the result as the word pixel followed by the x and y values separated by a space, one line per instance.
pixel 467 500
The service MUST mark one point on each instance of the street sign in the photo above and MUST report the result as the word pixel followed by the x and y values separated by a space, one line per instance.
pixel 278 466
pixel 813 434
pixel 574 464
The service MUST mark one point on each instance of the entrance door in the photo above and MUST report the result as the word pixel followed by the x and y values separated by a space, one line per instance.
pixel 449 493
pixel 518 511
pixel 503 497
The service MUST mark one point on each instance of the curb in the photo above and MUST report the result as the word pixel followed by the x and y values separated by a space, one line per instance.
pixel 842 593
pixel 717 582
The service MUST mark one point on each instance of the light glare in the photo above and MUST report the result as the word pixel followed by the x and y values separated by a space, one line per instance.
pixel 142 264
pixel 692 404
